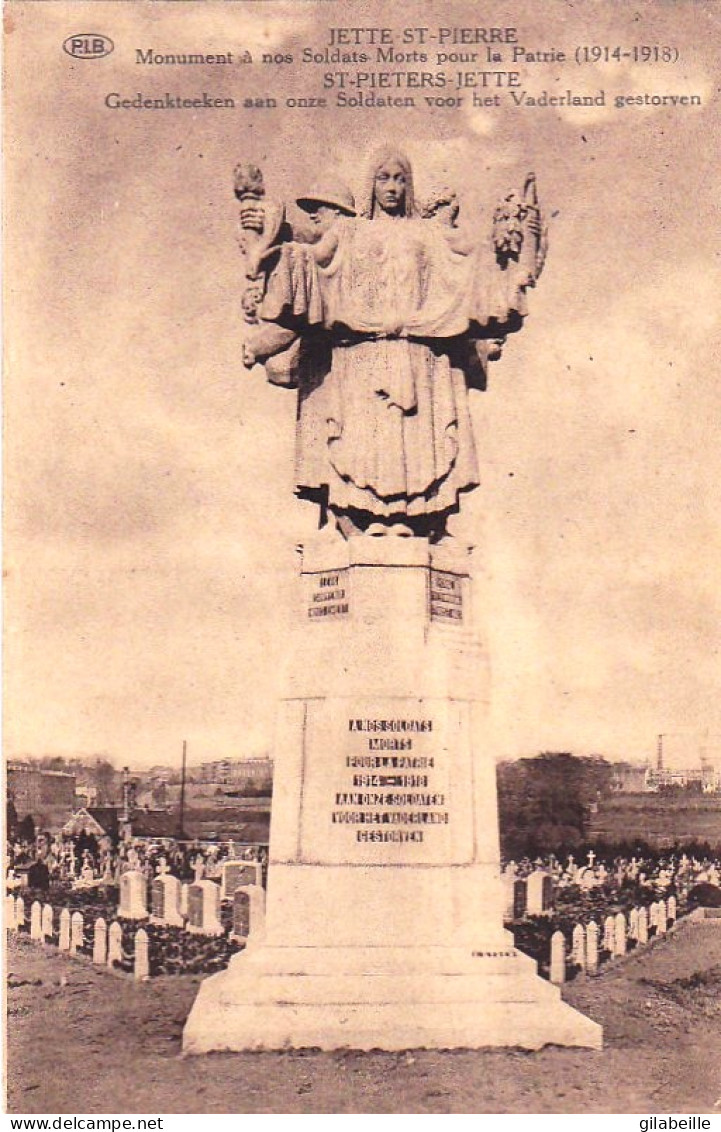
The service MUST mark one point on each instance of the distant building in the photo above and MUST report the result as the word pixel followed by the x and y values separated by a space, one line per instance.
pixel 630 778
pixel 231 772
pixel 86 795
pixel 707 776
pixel 48 796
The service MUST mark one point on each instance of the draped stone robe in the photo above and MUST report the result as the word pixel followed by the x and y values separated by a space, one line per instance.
pixel 385 312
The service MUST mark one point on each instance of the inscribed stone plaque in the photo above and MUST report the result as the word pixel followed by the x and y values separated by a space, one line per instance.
pixel 157 899
pixel 547 894
pixel 237 873
pixel 328 595
pixel 241 915
pixel 195 906
pixel 520 897
pixel 385 791
pixel 445 596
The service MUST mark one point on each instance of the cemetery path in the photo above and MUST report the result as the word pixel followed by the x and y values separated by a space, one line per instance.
pixel 87 1041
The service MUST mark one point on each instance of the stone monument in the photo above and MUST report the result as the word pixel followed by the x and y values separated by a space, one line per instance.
pixel 384 914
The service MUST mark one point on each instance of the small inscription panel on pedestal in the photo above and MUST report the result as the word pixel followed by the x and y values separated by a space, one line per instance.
pixel 328 595
pixel 445 596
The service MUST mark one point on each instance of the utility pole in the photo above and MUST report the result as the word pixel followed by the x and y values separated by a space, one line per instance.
pixel 659 753
pixel 181 819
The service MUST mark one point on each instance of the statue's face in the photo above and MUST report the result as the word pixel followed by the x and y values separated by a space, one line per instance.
pixel 389 188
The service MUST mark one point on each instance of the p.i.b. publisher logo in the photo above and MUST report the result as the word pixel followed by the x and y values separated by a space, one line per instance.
pixel 88 45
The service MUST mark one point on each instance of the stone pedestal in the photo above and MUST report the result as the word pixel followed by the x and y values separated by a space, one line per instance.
pixel 384 918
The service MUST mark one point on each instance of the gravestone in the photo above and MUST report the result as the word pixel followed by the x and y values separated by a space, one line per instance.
pixel 133 896
pixel 76 932
pixel 64 938
pixel 10 921
pixel 578 946
pixel 19 913
pixel 642 926
pixel 661 918
pixel 115 944
pixel 671 909
pixel 592 948
pixel 248 913
pixel 538 886
pixel 609 933
pixel 384 922
pixel 47 921
pixel 165 901
pixel 619 935
pixel 547 895
pixel 100 942
pixel 236 874
pixel 141 965
pixel 557 973
pixel 36 913
pixel 520 899
pixel 157 901
pixel 204 908
pixel 539 893
pixel 633 924
pixel 508 881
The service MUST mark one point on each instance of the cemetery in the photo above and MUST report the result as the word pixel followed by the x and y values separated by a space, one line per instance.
pixel 587 913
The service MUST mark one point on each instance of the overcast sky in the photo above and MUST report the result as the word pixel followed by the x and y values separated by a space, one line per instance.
pixel 150 520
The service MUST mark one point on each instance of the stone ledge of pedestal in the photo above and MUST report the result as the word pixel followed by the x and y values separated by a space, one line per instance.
pixel 325 552
pixel 493 958
pixel 517 1011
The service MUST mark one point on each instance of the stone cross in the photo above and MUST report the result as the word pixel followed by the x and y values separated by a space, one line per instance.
pixel 591 858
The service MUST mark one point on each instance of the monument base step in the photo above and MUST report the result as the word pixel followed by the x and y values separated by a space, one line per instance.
pixel 255 1006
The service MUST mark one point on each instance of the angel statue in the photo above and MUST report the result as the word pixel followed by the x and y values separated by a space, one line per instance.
pixel 383 318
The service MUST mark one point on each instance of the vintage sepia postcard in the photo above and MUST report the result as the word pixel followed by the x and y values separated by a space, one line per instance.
pixel 362 554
